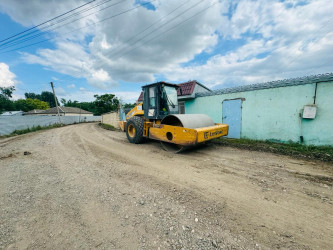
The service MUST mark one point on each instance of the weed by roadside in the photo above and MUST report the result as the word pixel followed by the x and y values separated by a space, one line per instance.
pixel 108 127
pixel 323 153
pixel 29 130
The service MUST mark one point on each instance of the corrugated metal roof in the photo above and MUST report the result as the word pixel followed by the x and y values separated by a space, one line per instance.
pixel 273 84
pixel 12 113
pixel 63 109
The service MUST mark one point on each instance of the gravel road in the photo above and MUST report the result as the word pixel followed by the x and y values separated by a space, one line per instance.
pixel 84 187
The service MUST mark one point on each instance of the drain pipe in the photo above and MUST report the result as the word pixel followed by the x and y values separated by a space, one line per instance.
pixel 315 94
pixel 301 138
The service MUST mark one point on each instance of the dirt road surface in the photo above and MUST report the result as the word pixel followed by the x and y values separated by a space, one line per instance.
pixel 85 187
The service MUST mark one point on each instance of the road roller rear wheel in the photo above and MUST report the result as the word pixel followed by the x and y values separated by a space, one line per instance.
pixel 134 130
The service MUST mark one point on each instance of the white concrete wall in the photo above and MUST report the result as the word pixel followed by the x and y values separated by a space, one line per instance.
pixel 111 119
pixel 8 124
pixel 76 114
pixel 62 114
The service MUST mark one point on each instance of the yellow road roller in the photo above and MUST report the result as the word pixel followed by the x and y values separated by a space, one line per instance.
pixel 158 118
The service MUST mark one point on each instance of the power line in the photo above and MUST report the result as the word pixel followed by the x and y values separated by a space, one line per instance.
pixel 159 27
pixel 48 21
pixel 174 18
pixel 113 16
pixel 172 28
pixel 164 32
pixel 155 37
pixel 156 29
pixel 18 41
pixel 142 31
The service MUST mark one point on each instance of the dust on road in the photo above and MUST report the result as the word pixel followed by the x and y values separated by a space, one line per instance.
pixel 85 187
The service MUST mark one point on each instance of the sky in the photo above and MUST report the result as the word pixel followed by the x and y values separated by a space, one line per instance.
pixel 117 46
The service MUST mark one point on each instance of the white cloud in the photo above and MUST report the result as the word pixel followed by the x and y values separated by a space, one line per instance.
pixel 112 56
pixel 104 44
pixel 128 96
pixel 60 91
pixel 70 58
pixel 71 86
pixel 281 42
pixel 269 40
pixel 7 78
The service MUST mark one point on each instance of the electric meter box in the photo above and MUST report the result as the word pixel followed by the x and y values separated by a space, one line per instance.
pixel 309 112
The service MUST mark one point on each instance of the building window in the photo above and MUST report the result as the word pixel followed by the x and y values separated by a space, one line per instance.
pixel 181 107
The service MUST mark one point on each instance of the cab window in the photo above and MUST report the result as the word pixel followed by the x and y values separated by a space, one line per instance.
pixel 152 99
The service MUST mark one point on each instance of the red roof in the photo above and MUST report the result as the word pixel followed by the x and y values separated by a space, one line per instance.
pixel 140 97
pixel 186 87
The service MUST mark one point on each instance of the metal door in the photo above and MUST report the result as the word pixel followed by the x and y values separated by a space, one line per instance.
pixel 232 115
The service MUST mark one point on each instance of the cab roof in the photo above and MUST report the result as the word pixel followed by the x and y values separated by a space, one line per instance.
pixel 161 83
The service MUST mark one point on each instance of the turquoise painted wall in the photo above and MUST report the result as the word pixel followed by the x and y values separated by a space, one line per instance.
pixel 273 114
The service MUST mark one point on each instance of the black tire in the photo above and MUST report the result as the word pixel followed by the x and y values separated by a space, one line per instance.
pixel 134 130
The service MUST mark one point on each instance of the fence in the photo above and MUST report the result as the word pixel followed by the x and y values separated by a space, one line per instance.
pixel 8 124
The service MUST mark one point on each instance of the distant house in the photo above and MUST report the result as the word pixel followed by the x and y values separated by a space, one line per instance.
pixel 12 113
pixel 186 91
pixel 63 111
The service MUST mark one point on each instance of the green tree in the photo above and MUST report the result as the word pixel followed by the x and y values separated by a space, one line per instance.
pixel 48 97
pixel 32 96
pixel 102 104
pixel 38 104
pixel 45 96
pixel 5 103
pixel 128 105
pixel 89 106
pixel 30 104
pixel 106 103
pixel 7 92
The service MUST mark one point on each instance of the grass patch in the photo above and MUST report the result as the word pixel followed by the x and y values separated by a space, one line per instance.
pixel 108 127
pixel 33 129
pixel 323 153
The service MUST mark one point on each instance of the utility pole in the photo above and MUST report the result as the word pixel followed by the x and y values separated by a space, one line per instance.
pixel 80 114
pixel 55 99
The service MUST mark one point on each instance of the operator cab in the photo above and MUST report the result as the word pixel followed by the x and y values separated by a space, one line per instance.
pixel 159 100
